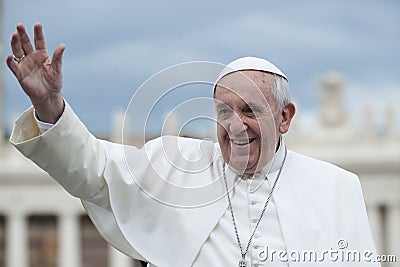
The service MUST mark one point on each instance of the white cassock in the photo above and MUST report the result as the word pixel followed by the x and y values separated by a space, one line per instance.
pixel 166 203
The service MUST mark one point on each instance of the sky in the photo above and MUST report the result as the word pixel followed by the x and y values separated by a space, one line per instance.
pixel 113 47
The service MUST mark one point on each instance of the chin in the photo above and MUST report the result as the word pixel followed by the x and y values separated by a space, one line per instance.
pixel 243 167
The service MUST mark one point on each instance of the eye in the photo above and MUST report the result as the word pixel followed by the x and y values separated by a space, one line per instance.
pixel 249 112
pixel 224 112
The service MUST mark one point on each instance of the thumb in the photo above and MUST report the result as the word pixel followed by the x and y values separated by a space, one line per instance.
pixel 56 61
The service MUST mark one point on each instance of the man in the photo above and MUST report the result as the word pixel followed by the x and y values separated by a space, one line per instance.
pixel 168 204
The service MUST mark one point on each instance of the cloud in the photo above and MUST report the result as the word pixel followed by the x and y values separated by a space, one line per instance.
pixel 114 46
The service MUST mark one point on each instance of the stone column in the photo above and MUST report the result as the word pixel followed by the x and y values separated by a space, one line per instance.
pixel 375 221
pixel 69 233
pixel 16 241
pixel 393 230
pixel 116 258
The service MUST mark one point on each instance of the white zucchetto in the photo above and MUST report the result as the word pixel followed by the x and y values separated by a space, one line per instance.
pixel 250 63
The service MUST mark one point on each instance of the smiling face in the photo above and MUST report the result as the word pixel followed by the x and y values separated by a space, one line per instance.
pixel 249 123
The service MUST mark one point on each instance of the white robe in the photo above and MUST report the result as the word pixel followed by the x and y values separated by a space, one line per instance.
pixel 146 203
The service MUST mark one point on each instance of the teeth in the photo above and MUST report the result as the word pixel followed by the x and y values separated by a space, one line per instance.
pixel 241 142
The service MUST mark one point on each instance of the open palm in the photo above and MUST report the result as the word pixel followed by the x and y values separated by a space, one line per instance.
pixel 39 75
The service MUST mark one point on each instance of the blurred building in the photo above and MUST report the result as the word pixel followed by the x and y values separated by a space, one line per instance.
pixel 41 225
pixel 369 150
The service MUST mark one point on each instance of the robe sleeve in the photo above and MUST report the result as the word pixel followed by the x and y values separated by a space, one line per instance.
pixel 76 160
pixel 52 151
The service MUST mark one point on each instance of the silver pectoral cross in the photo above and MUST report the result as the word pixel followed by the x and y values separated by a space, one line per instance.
pixel 242 263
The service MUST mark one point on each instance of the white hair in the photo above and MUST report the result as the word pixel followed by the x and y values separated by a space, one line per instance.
pixel 281 92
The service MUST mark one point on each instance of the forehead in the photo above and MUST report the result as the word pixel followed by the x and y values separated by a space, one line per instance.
pixel 248 86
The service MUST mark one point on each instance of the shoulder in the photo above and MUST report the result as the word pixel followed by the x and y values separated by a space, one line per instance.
pixel 165 150
pixel 172 139
pixel 163 142
pixel 175 148
pixel 320 169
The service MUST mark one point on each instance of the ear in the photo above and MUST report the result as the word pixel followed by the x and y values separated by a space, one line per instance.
pixel 287 114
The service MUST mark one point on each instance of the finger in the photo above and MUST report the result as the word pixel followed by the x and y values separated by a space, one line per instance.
pixel 16 45
pixel 40 43
pixel 56 61
pixel 24 39
pixel 13 66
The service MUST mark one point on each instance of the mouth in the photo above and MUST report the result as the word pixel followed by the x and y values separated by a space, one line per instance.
pixel 242 142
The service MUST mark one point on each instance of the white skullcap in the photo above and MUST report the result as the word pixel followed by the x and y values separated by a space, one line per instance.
pixel 250 63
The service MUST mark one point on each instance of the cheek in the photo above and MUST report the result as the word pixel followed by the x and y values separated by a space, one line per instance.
pixel 221 129
pixel 222 140
pixel 257 127
pixel 268 131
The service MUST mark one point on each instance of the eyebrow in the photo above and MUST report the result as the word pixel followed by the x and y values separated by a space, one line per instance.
pixel 253 106
pixel 250 105
pixel 222 105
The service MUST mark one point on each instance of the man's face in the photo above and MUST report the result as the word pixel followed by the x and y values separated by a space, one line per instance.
pixel 248 120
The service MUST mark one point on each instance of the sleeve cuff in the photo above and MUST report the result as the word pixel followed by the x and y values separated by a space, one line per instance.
pixel 43 126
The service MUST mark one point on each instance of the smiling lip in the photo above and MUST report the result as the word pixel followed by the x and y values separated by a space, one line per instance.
pixel 242 142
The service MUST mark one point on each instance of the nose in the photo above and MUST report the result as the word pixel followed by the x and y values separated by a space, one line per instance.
pixel 236 125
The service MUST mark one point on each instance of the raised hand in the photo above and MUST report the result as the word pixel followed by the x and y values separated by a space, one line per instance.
pixel 39 75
